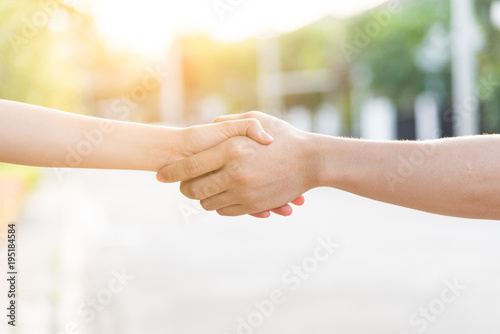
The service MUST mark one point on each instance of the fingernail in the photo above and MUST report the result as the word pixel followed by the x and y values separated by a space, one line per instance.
pixel 160 178
pixel 266 136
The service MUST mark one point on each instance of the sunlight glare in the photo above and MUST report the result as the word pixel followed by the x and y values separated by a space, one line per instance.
pixel 149 25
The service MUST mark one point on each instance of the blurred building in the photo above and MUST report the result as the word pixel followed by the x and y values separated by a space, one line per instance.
pixel 332 75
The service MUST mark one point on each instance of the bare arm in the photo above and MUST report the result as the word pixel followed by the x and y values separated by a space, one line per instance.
pixel 37 136
pixel 456 176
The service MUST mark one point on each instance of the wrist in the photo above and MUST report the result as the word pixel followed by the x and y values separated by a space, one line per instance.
pixel 164 149
pixel 312 155
pixel 329 160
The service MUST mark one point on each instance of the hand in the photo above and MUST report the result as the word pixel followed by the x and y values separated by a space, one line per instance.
pixel 249 178
pixel 200 138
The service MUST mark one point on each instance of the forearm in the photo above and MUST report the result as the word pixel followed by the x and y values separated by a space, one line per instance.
pixel 36 136
pixel 456 177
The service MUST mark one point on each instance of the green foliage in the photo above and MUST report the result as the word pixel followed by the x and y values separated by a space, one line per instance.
pixel 310 47
pixel 489 69
pixel 222 69
pixel 32 68
pixel 48 69
pixel 391 53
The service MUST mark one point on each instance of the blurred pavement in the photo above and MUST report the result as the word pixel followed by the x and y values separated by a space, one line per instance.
pixel 195 272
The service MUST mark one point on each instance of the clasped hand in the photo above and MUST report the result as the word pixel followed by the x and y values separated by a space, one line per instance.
pixel 244 176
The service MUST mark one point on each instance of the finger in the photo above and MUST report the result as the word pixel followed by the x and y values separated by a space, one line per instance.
pixel 234 117
pixel 238 210
pixel 224 200
pixel 193 166
pixel 212 186
pixel 232 211
pixel 299 201
pixel 285 210
pixel 249 127
pixel 218 201
pixel 264 214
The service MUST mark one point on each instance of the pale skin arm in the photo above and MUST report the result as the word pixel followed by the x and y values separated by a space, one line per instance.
pixel 455 176
pixel 37 136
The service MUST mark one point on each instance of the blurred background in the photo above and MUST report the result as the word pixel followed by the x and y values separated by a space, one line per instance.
pixel 117 252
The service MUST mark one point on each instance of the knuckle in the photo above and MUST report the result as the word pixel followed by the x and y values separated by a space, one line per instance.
pixel 242 177
pixel 224 213
pixel 233 166
pixel 189 190
pixel 168 175
pixel 191 167
pixel 253 114
pixel 207 205
pixel 236 151
pixel 253 122
pixel 222 179
pixel 210 189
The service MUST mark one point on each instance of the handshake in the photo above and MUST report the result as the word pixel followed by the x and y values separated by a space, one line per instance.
pixel 233 166
pixel 257 164
pixel 248 173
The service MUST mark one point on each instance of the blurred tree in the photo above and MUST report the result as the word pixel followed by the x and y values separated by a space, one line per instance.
pixel 391 52
pixel 488 85
pixel 31 60
pixel 227 70
pixel 315 47
pixel 51 55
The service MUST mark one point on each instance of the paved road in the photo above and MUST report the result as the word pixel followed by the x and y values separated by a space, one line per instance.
pixel 194 272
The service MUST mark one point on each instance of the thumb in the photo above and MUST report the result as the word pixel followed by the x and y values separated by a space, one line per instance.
pixel 249 127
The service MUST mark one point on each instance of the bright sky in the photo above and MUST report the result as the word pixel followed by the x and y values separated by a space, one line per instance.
pixel 148 25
